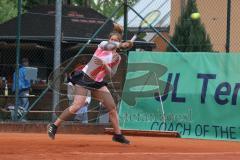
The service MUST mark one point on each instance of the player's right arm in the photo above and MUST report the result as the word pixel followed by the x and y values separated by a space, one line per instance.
pixel 109 46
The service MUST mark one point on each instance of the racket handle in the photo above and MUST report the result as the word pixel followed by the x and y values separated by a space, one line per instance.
pixel 134 38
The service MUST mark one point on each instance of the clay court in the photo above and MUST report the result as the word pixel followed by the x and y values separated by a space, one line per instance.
pixel 31 146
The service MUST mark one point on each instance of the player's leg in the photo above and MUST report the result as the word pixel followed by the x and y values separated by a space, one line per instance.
pixel 107 100
pixel 68 113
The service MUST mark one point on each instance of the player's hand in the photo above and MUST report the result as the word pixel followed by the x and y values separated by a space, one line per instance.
pixel 127 44
pixel 124 45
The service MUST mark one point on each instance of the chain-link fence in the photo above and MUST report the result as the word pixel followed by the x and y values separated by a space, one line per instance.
pixel 220 19
pixel 79 23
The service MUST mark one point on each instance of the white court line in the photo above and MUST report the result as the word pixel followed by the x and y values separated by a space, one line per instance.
pixel 155 153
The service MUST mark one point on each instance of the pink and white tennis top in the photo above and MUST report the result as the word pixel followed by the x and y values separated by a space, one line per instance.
pixel 105 52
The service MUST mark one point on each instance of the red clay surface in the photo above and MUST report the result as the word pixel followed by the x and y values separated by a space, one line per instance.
pixel 20 146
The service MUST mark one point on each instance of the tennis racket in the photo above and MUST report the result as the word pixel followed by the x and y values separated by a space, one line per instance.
pixel 57 79
pixel 58 82
pixel 149 19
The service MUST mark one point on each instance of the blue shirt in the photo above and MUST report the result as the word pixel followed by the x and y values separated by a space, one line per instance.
pixel 23 83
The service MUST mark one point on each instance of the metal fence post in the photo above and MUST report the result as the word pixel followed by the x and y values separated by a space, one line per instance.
pixel 228 26
pixel 57 51
pixel 125 19
pixel 17 59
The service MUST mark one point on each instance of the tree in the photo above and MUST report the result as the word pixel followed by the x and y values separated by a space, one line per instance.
pixel 80 2
pixel 33 3
pixel 106 7
pixel 190 35
pixel 8 10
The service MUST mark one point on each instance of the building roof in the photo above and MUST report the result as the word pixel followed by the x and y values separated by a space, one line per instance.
pixel 40 22
pixel 78 25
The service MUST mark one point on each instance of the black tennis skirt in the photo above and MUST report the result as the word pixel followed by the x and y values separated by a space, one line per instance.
pixel 82 79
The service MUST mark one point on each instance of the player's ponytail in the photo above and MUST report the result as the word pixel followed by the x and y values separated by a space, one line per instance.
pixel 118 28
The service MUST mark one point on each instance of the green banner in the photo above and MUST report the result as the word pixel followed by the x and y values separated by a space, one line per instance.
pixel 196 94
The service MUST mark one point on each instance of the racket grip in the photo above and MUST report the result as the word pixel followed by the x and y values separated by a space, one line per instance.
pixel 134 38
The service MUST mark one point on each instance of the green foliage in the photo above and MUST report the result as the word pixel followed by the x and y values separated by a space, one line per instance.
pixel 8 10
pixel 32 3
pixel 190 35
pixel 78 2
pixel 106 7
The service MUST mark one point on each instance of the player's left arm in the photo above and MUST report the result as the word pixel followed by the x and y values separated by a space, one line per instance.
pixel 109 46
pixel 112 67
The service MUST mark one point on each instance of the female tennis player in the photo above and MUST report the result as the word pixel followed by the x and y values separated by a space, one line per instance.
pixel 104 62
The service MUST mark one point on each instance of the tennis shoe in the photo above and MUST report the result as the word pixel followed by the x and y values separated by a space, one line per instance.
pixel 120 138
pixel 52 130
